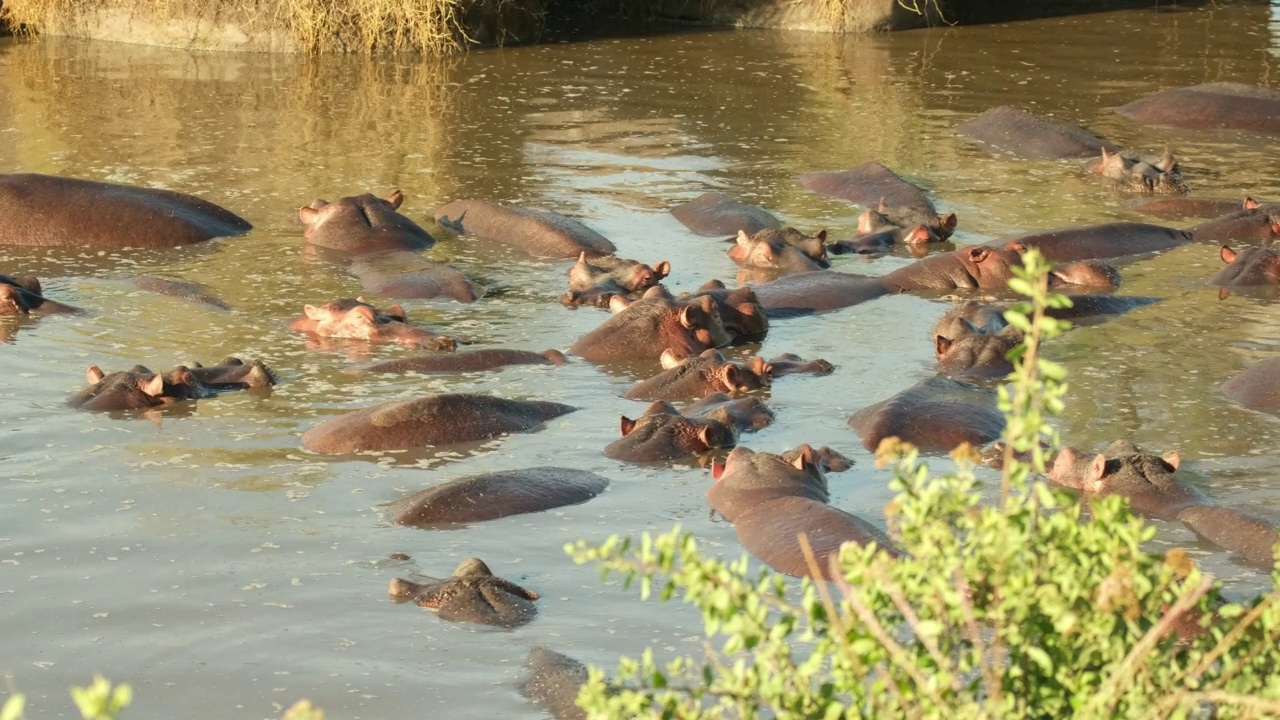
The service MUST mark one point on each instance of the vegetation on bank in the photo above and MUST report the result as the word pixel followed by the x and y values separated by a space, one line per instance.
pixel 1042 605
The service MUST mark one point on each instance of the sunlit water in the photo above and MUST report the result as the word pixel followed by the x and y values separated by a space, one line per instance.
pixel 225 572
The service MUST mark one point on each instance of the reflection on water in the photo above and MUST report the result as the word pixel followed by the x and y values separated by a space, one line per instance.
pixel 210 561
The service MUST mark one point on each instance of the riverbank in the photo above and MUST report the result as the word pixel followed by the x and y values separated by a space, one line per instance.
pixel 444 26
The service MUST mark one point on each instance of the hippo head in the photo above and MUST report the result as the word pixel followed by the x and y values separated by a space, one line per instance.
pixel 641 277
pixel 137 388
pixel 968 318
pixel 19 296
pixel 995 265
pixel 700 317
pixel 1253 265
pixel 663 434
pixel 367 207
pixel 778 247
pixel 1160 176
pixel 356 319
pixel 722 375
pixel 976 354
pixel 1147 480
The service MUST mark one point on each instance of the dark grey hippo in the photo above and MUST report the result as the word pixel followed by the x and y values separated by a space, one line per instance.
pixel 431 420
pixel 1182 207
pixel 467 361
pixel 935 415
pixel 1252 221
pixel 408 275
pixel 185 289
pixel 663 435
pixel 362 224
pixel 48 211
pixel 137 389
pixel 1212 106
pixel 1152 487
pixel 1253 265
pixel 554 684
pixel 718 214
pixel 1015 131
pixel 745 414
pixel 647 328
pixel 494 495
pixel 232 373
pixel 1256 387
pixel 899 204
pixel 472 594
pixel 536 232
pixel 699 376
pixel 1099 242
pixel 748 478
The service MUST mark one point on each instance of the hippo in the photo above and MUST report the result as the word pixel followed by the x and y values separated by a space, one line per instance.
pixel 494 495
pixel 472 594
pixel 555 683
pixel 1152 488
pixel 899 203
pixel 137 389
pixel 1212 106
pixel 935 415
pixel 232 373
pixel 740 312
pixel 536 232
pixel 1147 175
pixel 1250 222
pixel 49 211
pixel 772 500
pixel 362 224
pixel 662 434
pixel 969 317
pixel 1099 242
pixel 185 289
pixel 1253 265
pixel 467 361
pixel 23 296
pixel 989 268
pixel 826 458
pixel 792 364
pixel 698 376
pixel 881 229
pixel 718 214
pixel 358 320
pixel 597 281
pixel 652 325
pixel 429 420
pixel 973 316
pixel 744 414
pixel 402 274
pixel 1013 130
pixel 977 355
pixel 785 251
pixel 1180 207
pixel 817 292
pixel 1257 387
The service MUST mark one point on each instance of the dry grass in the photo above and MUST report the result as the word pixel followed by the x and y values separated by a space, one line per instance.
pixel 435 27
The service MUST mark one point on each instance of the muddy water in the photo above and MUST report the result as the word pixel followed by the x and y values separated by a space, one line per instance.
pixel 225 572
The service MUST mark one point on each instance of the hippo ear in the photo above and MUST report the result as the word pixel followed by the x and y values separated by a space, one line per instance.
pixel 978 254
pixel 662 269
pixel 747 309
pixel 312 312
pixel 1016 246
pixel 686 318
pixel 743 239
pixel 804 457
pixel 308 215
pixel 1093 476
pixel 669 359
pixel 942 345
pixel 1250 203
pixel 1167 161
pixel 918 235
pixel 395 198
pixel 94 374
pixel 154 386
pixel 1227 254
pixel 705 437
pixel 627 425
pixel 949 223
pixel 882 206
pixel 617 304
pixel 1172 459
pixel 1223 293
pixel 397 312
pixel 864 223
pixel 822 235
pixel 731 378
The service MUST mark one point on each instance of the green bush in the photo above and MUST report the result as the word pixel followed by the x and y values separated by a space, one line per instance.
pixel 1041 606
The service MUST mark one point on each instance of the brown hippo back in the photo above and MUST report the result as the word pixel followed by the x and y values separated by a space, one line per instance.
pixel 1221 105
pixel 1257 387
pixel 47 211
pixel 537 232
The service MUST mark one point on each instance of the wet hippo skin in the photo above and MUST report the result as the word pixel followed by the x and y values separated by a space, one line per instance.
pixel 700 376
pixel 1221 105
pixel 664 435
pixel 1013 130
pixel 136 389
pixel 232 373
pixel 431 420
pixel 362 224
pixel 1100 242
pixel 408 275
pixel 355 319
pixel 554 683
pixel 785 251
pixel 1152 487
pixel 1256 387
pixel 467 361
pixel 1139 173
pixel 899 204
pixel 717 214
pixel 536 232
pixel 47 210
pixel 651 326
pixel 935 415
pixel 1252 265
pixel 596 281
pixel 494 495
pixel 472 594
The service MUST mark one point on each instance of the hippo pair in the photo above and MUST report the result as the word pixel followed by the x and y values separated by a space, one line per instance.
pixel 357 320
pixel 597 281
pixel 139 388
pixel 897 212
pixel 772 500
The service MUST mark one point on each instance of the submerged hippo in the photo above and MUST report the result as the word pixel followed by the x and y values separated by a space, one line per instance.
pixel 536 232
pixel 880 229
pixel 357 320
pixel 718 214
pixel 362 224
pixel 1149 175
pixel 1099 242
pixel 784 251
pixel 1250 222
pixel 1252 265
pixel 468 361
pixel 1150 484
pixel 977 355
pixel 662 435
pixel 744 414
pixel 431 420
pixel 1257 387
pixel 700 376
pixel 792 364
pixel 597 281
pixel 1014 130
pixel 408 275
pixel 46 211
pixel 1212 106
pixel 496 495
pixel 232 373
pixel 555 683
pixel 137 389
pixel 1180 207
pixel 652 325
pixel 23 296
pixel 817 292
pixel 739 309
pixel 772 500
pixel 899 204
pixel 472 594
pixel 185 289
pixel 989 268
pixel 935 415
